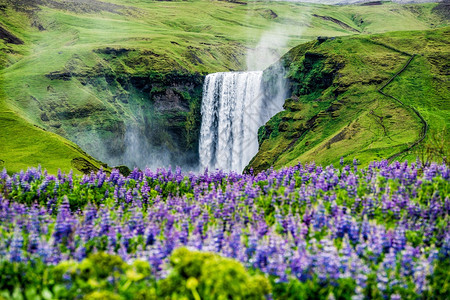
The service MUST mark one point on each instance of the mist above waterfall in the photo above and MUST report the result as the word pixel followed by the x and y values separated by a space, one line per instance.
pixel 274 42
pixel 268 50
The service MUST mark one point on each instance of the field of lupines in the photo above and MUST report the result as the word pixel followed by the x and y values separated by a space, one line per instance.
pixel 302 232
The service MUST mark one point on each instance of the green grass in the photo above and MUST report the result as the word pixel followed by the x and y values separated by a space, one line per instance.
pixel 349 117
pixel 186 37
pixel 24 145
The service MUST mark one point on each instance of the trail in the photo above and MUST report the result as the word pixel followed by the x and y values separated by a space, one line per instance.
pixel 422 120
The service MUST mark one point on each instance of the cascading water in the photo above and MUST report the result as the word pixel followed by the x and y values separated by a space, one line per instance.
pixel 233 109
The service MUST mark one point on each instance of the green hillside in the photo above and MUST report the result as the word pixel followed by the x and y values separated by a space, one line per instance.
pixel 336 109
pixel 24 145
pixel 96 72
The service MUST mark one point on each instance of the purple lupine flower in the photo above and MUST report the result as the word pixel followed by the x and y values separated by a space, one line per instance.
pixel 430 172
pixel 354 231
pixel 286 248
pixel 16 247
pixel 112 235
pixel 80 253
pixel 399 240
pixel 55 256
pixel 390 260
pixel 136 222
pixel 445 248
pixel 420 273
pixel 407 261
pixel 33 242
pixel 44 251
pixel 106 222
pixel 343 225
pixel 218 239
pixel 4 174
pixel 184 233
pixel 320 219
pixel 351 185
pixel 64 223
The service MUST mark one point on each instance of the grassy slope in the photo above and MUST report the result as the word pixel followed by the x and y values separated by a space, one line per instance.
pixel 348 117
pixel 27 146
pixel 23 144
pixel 195 36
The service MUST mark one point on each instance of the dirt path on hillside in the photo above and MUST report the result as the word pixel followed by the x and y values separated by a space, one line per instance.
pixel 422 120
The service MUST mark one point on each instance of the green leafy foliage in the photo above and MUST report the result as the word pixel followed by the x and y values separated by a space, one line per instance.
pixel 194 275
pixel 313 289
pixel 440 281
pixel 200 275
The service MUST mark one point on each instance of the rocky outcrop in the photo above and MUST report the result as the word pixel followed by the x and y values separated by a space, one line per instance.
pixel 8 37
pixel 336 21
pixel 235 2
pixel 443 9
pixel 372 3
pixel 267 13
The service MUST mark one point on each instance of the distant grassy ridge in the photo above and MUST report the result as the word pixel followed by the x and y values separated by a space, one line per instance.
pixel 345 115
pixel 88 70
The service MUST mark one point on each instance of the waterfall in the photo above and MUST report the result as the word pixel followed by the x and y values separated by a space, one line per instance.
pixel 233 109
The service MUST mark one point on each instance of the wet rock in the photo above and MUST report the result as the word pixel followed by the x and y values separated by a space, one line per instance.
pixel 44 117
pixel 124 170
pixel 59 75
pixel 170 100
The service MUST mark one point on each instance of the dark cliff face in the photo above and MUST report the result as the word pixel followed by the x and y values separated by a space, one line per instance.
pixel 443 9
pixel 165 125
pixel 139 119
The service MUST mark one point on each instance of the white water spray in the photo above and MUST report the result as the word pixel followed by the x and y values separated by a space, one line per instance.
pixel 230 119
pixel 234 107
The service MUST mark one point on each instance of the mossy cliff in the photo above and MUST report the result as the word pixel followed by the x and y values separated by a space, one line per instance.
pixel 145 117
pixel 336 110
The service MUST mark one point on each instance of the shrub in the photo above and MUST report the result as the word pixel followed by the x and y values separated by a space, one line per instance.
pixel 202 275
